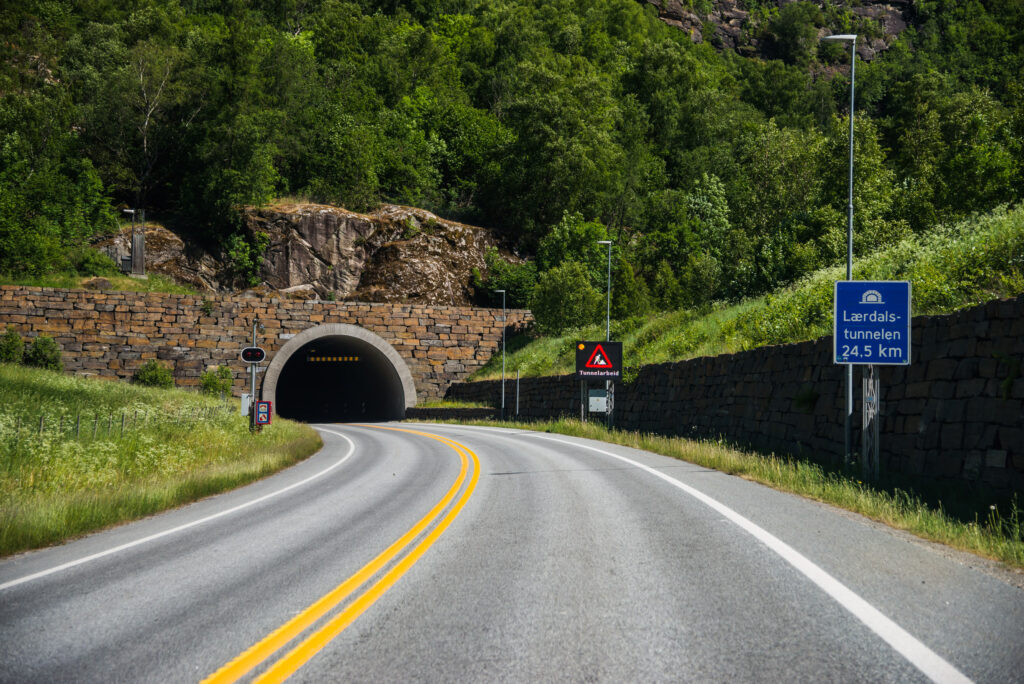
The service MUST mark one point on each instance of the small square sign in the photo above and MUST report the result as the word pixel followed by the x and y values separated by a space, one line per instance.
pixel 872 322
pixel 263 412
pixel 599 360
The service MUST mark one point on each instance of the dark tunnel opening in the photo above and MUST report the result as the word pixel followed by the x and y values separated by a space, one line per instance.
pixel 337 379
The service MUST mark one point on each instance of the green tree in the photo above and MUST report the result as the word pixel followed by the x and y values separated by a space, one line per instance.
pixel 216 381
pixel 574 239
pixel 564 299
pixel 630 294
pixel 517 279
pixel 154 374
pixel 792 35
pixel 12 348
pixel 44 353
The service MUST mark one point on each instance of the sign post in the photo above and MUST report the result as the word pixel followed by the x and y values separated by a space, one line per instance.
pixel 253 356
pixel 872 328
pixel 599 360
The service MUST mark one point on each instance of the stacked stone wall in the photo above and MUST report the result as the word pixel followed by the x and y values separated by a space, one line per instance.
pixel 111 334
pixel 955 414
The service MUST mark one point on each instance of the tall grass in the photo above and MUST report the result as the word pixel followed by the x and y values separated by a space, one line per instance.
pixel 79 472
pixel 949 268
pixel 153 282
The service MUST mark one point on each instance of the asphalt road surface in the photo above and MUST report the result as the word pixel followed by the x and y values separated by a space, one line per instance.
pixel 437 553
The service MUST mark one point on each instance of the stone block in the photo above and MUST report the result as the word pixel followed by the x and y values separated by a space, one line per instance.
pixel 952 436
pixel 974 387
pixel 995 458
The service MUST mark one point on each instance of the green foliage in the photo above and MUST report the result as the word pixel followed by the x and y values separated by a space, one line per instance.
pixel 82 472
pixel 792 35
pixel 44 353
pixel 12 348
pixel 573 239
pixel 564 299
pixel 154 374
pixel 216 381
pixel 516 114
pixel 956 265
pixel 517 279
pixel 244 252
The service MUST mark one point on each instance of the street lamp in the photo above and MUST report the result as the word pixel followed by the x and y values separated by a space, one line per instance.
pixel 848 422
pixel 608 307
pixel 503 326
pixel 609 396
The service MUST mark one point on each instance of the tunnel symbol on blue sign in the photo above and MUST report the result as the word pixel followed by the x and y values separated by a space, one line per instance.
pixel 872 297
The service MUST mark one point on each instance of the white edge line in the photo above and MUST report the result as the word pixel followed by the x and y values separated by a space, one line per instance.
pixel 934 666
pixel 180 528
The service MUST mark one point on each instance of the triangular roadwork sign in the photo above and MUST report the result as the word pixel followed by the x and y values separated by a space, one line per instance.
pixel 599 359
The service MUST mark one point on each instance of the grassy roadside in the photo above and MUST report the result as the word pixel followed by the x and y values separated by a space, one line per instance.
pixel 999 536
pixel 81 472
pixel 949 268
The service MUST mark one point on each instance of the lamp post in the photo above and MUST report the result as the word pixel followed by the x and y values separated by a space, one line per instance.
pixel 848 422
pixel 608 387
pixel 503 326
pixel 132 241
pixel 608 307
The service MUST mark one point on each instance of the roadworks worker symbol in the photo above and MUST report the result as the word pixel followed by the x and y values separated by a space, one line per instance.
pixel 599 359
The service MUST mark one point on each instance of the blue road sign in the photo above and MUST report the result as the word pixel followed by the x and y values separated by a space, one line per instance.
pixel 263 413
pixel 872 323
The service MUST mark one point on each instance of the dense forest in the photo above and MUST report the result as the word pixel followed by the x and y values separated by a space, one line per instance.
pixel 718 176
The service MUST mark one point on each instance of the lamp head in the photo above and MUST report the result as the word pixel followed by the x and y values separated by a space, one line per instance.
pixel 604 242
pixel 842 36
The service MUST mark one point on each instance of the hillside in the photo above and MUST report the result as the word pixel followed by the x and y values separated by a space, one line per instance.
pixel 717 167
pixel 955 266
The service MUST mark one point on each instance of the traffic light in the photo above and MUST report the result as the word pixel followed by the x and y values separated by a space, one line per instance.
pixel 253 354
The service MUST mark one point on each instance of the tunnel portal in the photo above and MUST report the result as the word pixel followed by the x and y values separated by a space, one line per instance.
pixel 329 376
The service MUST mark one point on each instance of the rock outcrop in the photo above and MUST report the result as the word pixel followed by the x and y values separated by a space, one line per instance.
pixel 728 24
pixel 167 253
pixel 317 251
pixel 392 254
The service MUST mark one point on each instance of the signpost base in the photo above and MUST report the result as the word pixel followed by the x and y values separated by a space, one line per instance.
pixel 870 427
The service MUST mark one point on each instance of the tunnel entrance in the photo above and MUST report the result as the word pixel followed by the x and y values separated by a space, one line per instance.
pixel 336 374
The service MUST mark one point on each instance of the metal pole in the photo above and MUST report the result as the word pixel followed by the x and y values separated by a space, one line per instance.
pixel 252 385
pixel 608 331
pixel 608 302
pixel 849 253
pixel 517 392
pixel 503 326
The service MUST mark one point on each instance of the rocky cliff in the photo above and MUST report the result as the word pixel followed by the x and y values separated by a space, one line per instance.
pixel 394 254
pixel 729 24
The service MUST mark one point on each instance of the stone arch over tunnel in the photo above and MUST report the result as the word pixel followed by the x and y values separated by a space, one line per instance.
pixel 339 373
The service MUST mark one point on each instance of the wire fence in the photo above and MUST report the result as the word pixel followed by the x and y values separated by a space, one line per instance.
pixel 113 424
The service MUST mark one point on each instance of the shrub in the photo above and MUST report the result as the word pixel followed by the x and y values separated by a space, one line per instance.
pixel 91 262
pixel 44 353
pixel 564 299
pixel 12 349
pixel 154 374
pixel 216 381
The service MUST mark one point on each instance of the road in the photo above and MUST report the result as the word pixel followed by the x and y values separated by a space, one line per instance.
pixel 407 552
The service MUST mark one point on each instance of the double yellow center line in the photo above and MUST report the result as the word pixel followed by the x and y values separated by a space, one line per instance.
pixel 312 644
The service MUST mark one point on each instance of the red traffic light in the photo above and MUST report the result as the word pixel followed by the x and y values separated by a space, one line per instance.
pixel 253 354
